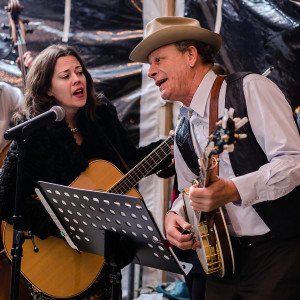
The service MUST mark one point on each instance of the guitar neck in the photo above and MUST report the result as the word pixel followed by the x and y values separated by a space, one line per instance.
pixel 205 170
pixel 141 170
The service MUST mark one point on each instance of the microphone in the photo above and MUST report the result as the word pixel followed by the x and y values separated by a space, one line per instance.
pixel 56 113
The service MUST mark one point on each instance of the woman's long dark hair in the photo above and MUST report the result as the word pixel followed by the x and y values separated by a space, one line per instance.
pixel 39 78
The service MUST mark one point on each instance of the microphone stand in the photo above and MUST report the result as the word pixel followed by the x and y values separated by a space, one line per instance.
pixel 19 235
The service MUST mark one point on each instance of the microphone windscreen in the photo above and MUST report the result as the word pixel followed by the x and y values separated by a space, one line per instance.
pixel 60 113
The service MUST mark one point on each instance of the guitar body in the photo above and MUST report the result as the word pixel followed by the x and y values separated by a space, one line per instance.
pixel 57 269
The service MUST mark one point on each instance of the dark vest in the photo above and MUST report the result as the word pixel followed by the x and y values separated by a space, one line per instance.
pixel 280 215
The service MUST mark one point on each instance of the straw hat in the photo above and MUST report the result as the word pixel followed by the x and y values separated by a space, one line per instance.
pixel 167 30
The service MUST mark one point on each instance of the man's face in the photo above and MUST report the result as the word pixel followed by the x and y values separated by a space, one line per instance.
pixel 171 71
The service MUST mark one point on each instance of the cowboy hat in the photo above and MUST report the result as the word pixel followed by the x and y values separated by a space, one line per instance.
pixel 167 30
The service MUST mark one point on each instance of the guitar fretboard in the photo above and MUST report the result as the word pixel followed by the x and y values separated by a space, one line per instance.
pixel 130 179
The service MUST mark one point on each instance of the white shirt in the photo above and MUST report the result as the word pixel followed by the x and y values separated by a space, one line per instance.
pixel 272 123
pixel 10 98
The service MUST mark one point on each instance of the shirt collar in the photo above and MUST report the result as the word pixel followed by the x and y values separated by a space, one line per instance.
pixel 202 94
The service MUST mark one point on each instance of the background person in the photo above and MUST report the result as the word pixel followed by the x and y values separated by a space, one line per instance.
pixel 258 182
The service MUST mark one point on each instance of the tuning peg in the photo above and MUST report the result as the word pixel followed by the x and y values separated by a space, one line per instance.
pixel 229 148
pixel 225 137
pixel 230 112
pixel 29 30
pixel 25 22
pixel 238 123
pixel 242 135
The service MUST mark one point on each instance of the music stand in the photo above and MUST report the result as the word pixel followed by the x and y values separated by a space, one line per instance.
pixel 118 227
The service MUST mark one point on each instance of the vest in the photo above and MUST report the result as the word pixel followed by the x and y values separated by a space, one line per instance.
pixel 280 215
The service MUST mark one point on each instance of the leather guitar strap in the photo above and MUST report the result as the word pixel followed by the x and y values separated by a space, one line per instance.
pixel 213 118
pixel 213 110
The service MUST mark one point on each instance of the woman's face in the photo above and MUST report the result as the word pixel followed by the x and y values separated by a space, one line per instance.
pixel 68 84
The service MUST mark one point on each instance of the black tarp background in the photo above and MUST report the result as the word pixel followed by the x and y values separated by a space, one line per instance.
pixel 104 32
pixel 257 34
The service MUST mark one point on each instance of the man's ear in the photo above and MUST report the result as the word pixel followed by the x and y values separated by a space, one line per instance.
pixel 192 55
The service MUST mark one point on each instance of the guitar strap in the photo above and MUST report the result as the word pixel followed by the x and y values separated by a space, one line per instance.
pixel 213 111
pixel 213 118
pixel 118 154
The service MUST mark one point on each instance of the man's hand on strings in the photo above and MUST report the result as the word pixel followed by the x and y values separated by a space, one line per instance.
pixel 219 192
pixel 175 225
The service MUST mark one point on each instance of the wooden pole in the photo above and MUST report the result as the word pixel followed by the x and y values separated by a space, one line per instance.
pixel 169 10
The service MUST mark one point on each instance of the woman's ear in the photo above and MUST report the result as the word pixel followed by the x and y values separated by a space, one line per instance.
pixel 49 93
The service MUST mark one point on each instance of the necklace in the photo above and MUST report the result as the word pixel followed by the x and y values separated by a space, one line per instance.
pixel 74 130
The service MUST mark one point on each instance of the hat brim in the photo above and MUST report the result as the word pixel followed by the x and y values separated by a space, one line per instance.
pixel 171 35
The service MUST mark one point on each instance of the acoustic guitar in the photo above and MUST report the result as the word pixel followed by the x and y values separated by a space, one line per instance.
pixel 210 228
pixel 58 270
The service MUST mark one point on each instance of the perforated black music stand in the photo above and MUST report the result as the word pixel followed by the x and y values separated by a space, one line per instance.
pixel 118 227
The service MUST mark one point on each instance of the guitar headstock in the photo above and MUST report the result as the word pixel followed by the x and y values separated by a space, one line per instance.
pixel 225 136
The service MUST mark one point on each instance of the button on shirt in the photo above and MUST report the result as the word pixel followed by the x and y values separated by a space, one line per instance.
pixel 272 123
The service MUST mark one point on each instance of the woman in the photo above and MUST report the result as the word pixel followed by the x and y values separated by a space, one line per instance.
pixel 60 151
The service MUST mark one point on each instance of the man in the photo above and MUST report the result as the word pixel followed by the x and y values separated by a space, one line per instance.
pixel 260 190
